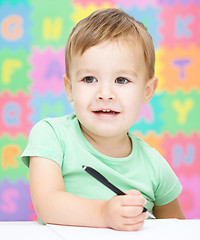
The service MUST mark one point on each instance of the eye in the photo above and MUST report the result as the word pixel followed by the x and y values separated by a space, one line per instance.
pixel 90 79
pixel 121 80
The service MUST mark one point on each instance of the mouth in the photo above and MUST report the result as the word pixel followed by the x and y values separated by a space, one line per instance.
pixel 106 112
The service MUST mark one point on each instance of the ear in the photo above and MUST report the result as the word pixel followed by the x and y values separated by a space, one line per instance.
pixel 68 88
pixel 150 88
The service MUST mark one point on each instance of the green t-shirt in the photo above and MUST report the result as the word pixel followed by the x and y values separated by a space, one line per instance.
pixel 61 140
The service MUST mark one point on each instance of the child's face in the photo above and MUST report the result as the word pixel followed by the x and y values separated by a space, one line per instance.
pixel 107 86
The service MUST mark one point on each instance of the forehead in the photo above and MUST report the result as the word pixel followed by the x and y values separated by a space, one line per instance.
pixel 119 45
pixel 124 53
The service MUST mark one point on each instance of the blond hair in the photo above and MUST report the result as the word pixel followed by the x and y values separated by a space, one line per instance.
pixel 108 24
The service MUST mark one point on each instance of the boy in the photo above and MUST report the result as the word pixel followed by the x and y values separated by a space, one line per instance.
pixel 109 74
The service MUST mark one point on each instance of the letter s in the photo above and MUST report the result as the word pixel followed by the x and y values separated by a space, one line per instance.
pixel 9 197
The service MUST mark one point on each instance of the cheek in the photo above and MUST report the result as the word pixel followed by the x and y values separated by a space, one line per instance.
pixel 134 96
pixel 81 98
pixel 78 94
pixel 133 101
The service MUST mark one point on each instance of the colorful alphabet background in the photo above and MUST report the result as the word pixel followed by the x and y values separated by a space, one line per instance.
pixel 32 38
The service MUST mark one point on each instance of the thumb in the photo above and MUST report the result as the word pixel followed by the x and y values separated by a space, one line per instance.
pixel 133 192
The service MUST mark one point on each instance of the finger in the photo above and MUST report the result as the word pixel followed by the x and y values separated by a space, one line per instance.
pixel 131 211
pixel 133 227
pixel 133 192
pixel 130 200
pixel 135 220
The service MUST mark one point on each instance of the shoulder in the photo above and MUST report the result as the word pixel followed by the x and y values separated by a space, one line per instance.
pixel 149 155
pixel 140 142
pixel 166 185
pixel 141 146
pixel 51 129
pixel 48 138
pixel 58 121
pixel 56 124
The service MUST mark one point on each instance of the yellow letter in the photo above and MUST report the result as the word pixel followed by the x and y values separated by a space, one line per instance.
pixel 9 154
pixel 183 109
pixel 8 68
pixel 52 30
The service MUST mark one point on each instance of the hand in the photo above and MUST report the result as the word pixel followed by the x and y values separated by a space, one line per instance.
pixel 125 212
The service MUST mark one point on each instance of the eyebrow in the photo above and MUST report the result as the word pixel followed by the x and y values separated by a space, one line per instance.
pixel 119 72
pixel 85 70
pixel 129 72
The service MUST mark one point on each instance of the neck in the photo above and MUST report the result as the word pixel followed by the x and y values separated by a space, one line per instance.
pixel 115 146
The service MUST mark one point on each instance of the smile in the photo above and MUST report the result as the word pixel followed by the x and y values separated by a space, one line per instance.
pixel 106 111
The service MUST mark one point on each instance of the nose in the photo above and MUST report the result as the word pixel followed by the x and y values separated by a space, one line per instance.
pixel 105 92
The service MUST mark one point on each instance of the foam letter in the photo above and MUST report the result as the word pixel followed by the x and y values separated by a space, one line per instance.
pixel 12 27
pixel 183 109
pixel 181 64
pixel 9 66
pixel 9 154
pixel 178 154
pixel 146 112
pixel 51 110
pixel 182 26
pixel 52 30
pixel 54 68
pixel 8 204
pixel 11 114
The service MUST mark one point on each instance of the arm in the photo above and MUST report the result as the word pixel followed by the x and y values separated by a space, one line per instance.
pixel 170 210
pixel 53 205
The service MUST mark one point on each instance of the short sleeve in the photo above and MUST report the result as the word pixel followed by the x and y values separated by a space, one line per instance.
pixel 169 186
pixel 43 142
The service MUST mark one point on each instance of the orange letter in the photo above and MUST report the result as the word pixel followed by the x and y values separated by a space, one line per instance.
pixel 9 154
pixel 11 27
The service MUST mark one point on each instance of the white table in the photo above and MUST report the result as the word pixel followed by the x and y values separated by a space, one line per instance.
pixel 26 231
pixel 171 229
